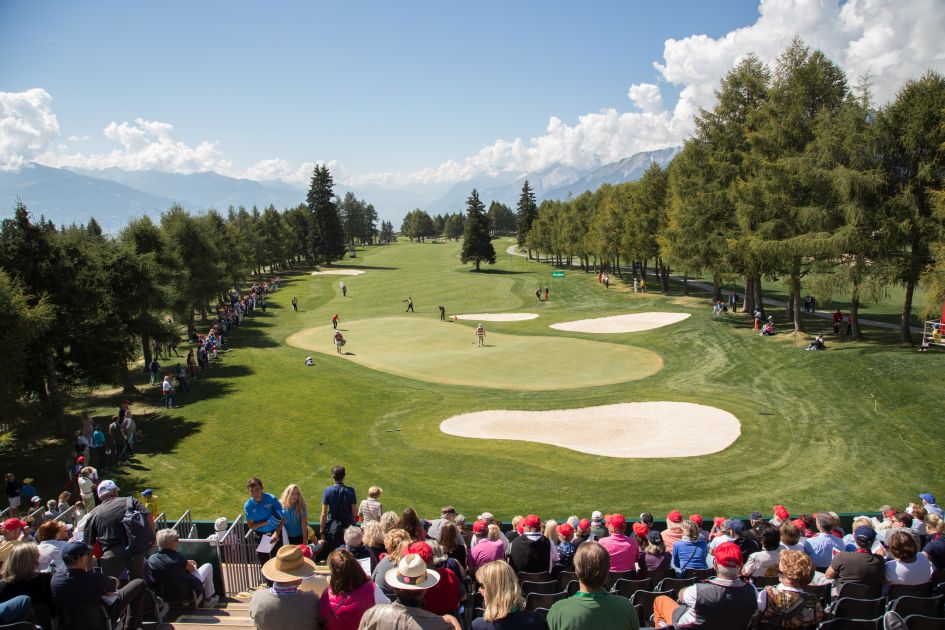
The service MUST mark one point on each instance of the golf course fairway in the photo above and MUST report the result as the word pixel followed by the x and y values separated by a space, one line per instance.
pixel 442 352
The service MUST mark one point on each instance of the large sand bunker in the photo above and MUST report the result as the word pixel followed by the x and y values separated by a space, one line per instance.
pixel 631 430
pixel 338 272
pixel 634 322
pixel 498 317
pixel 425 349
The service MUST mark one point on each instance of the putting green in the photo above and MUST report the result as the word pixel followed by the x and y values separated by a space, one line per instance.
pixel 430 350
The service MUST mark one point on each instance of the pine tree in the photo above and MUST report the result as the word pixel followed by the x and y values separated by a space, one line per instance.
pixel 477 245
pixel 327 238
pixel 527 213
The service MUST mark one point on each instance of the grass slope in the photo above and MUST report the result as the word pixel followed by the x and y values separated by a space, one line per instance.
pixel 847 429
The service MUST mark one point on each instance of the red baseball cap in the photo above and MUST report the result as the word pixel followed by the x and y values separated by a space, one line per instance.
pixel 13 523
pixel 640 529
pixel 531 521
pixel 566 530
pixel 728 555
pixel 423 550
pixel 781 513
pixel 306 551
pixel 799 523
pixel 617 521
pixel 674 517
pixel 718 520
pixel 480 526
pixel 584 524
pixel 80 459
pixel 696 518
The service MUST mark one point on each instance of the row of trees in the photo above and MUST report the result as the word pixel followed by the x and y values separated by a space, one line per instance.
pixel 419 225
pixel 81 306
pixel 791 175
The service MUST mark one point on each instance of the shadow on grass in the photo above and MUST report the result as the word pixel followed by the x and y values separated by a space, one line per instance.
pixel 364 267
pixel 499 272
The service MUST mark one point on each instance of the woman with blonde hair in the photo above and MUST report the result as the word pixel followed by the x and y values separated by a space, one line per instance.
pixel 690 552
pixel 295 514
pixel 395 541
pixel 388 521
pixel 934 550
pixel 505 605
pixel 20 575
pixel 373 537
pixel 370 508
pixel 551 531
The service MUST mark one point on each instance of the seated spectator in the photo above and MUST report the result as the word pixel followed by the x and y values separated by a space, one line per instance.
pixel 897 521
pixel 488 518
pixel 373 537
pixel 20 576
pixel 795 570
pixel 551 531
pixel 928 502
pixel 451 542
pixel 464 530
pixel 447 514
pixel 781 515
pixel 566 548
pixel 513 533
pixel 908 566
pixel 490 547
pixel 532 552
pixel 824 542
pixel 598 526
pixel 791 538
pixel 284 605
pixel 350 593
pixel 448 594
pixel 765 563
pixel 918 514
pixel 410 522
pixel 177 577
pixel 734 529
pixel 52 510
pixel 582 533
pixel 690 552
pixel 409 581
pixel 53 538
pixel 935 549
pixel 656 558
pixel 623 550
pixel 79 588
pixel 504 603
pixel 724 601
pixel 354 543
pixel 389 521
pixel 370 508
pixel 817 343
pixel 396 542
pixel 674 530
pixel 697 519
pixel 592 607
pixel 860 566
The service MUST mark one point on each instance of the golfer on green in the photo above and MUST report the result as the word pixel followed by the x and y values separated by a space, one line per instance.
pixel 481 335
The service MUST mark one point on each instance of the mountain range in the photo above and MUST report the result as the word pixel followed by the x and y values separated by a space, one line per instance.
pixel 113 195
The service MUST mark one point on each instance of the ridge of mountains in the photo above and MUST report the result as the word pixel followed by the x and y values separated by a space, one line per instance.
pixel 113 195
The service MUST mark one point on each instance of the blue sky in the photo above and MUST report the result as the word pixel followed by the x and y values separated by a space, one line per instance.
pixel 374 87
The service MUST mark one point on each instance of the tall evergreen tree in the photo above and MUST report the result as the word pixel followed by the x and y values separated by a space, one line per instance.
pixel 527 213
pixel 477 245
pixel 327 238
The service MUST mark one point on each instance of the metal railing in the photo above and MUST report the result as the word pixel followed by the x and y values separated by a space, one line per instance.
pixel 160 521
pixel 31 518
pixel 184 526
pixel 67 516
pixel 238 561
pixel 5 512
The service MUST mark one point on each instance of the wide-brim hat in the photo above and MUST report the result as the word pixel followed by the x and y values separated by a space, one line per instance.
pixel 288 565
pixel 412 574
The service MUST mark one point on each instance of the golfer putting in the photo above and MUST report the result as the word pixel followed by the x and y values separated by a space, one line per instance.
pixel 480 335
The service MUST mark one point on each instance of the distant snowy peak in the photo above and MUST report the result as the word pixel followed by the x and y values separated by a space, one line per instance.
pixel 626 170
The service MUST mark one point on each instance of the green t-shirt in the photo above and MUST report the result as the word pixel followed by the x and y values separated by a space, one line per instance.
pixel 590 611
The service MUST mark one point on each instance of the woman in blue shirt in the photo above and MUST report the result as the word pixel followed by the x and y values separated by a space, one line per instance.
pixel 295 521
pixel 691 551
pixel 263 515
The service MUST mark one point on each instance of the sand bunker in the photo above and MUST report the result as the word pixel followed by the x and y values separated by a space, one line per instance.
pixel 498 317
pixel 513 249
pixel 629 430
pixel 338 272
pixel 622 323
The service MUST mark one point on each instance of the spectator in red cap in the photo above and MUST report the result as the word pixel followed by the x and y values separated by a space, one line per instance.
pixel 640 531
pixel 12 530
pixel 780 515
pixel 566 548
pixel 624 551
pixel 673 532
pixel 490 545
pixel 446 596
pixel 582 533
pixel 724 601
pixel 697 519
pixel 532 552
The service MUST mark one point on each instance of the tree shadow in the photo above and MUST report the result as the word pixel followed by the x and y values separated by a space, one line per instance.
pixel 500 272
pixel 365 267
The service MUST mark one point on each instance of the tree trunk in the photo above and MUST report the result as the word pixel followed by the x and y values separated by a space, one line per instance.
pixel 749 305
pixel 855 312
pixel 55 393
pixel 905 334
pixel 716 288
pixel 795 294
pixel 685 284
pixel 477 264
pixel 759 295
pixel 789 307
pixel 146 346
pixel 617 266
pixel 664 277
pixel 128 386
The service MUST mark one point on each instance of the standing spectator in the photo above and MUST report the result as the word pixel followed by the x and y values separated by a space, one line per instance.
pixel 79 586
pixel 14 489
pixel 928 502
pixel 447 514
pixel 130 429
pixel 624 551
pixel 264 515
pixel 409 581
pixel 295 513
pixel 532 552
pixel 349 595
pixel 370 508
pixel 98 447
pixel 118 441
pixel 154 368
pixel 824 542
pixel 673 532
pixel 908 566
pixel 284 605
pixel 860 566
pixel 295 304
pixel 86 485
pixel 105 527
pixel 505 605
pixel 339 510
pixel 490 546
pixel 182 379
pixel 27 491
pixel 592 607
pixel 344 289
pixel 175 574
pixel 691 552
pixel 170 400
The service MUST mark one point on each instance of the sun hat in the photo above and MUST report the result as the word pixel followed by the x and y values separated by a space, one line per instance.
pixel 13 523
pixel 411 574
pixel 220 524
pixel 674 517
pixel 640 529
pixel 288 565
pixel 531 521
pixel 617 521
pixel 728 555
pixel 480 526
pixel 107 486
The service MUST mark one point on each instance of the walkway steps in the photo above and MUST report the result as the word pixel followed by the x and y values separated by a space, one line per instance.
pixel 231 613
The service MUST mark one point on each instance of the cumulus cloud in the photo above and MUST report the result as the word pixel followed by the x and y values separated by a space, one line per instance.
pixel 28 127
pixel 647 97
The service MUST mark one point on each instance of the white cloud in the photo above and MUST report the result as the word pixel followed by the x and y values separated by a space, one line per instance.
pixel 647 97
pixel 28 127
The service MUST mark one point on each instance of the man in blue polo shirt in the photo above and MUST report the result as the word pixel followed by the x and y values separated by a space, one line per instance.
pixel 263 515
pixel 339 511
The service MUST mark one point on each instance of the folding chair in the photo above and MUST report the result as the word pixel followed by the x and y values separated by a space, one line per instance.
pixel 626 588
pixel 921 622
pixel 674 585
pixel 643 602
pixel 853 608
pixel 551 586
pixel 911 605
pixel 534 601
pixel 852 624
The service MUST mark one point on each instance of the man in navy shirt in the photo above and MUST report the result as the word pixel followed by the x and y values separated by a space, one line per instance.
pixel 339 511
pixel 263 516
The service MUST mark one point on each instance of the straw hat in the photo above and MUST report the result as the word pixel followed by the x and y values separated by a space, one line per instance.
pixel 412 574
pixel 288 565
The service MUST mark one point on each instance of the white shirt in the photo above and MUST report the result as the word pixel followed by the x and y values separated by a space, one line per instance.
pixel 50 556
pixel 919 571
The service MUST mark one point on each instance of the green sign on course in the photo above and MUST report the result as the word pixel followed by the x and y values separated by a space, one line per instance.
pixel 557 274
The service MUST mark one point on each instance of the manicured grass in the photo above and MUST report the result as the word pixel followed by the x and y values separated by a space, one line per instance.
pixel 847 429
pixel 448 353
